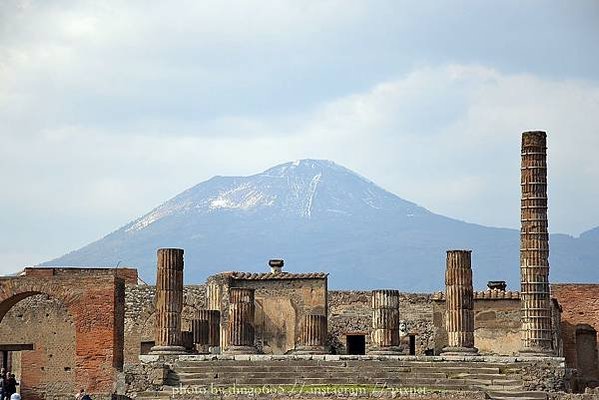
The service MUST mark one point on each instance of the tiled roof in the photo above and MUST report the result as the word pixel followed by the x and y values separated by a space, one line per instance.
pixel 254 276
pixel 485 295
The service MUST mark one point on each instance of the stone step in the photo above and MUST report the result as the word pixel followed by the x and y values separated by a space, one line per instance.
pixel 488 376
pixel 398 381
pixel 313 374
pixel 458 370
pixel 357 369
pixel 516 395
pixel 154 395
pixel 360 363
pixel 274 370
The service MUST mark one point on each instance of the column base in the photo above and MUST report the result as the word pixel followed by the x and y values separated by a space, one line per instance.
pixel 459 351
pixel 386 351
pixel 241 350
pixel 536 352
pixel 310 350
pixel 168 350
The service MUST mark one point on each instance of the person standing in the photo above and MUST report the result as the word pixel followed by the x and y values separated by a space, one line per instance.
pixel 10 386
pixel 2 382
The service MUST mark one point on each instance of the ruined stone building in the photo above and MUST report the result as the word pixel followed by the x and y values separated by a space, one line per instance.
pixel 66 328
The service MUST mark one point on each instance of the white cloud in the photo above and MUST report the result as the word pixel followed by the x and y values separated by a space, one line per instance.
pixel 107 109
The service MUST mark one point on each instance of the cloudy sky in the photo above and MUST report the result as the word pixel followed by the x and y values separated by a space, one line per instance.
pixel 108 108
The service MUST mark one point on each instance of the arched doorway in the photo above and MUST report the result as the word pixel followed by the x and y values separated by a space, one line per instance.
pixel 95 300
pixel 38 333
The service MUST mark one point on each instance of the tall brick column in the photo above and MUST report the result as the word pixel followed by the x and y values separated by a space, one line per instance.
pixel 459 303
pixel 534 247
pixel 169 302
pixel 240 328
pixel 313 335
pixel 206 330
pixel 385 322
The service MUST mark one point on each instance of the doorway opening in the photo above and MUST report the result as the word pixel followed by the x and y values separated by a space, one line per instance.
pixel 356 344
pixel 146 347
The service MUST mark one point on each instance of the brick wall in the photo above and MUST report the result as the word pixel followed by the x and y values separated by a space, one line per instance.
pixel 580 305
pixel 92 298
pixel 50 367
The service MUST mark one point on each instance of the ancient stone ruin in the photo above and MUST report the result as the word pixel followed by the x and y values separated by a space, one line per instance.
pixel 534 247
pixel 459 300
pixel 103 330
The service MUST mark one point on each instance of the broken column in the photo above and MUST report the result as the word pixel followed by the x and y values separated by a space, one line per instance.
pixel 169 302
pixel 459 303
pixel 385 322
pixel 535 303
pixel 313 335
pixel 206 331
pixel 240 327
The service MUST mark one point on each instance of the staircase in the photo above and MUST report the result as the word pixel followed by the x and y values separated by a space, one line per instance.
pixel 500 381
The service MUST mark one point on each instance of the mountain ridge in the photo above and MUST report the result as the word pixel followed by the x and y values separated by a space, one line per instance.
pixel 316 213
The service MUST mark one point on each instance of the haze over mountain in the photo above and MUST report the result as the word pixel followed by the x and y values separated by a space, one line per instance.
pixel 320 216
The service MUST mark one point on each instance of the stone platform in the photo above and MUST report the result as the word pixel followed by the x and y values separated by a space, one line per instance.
pixel 203 376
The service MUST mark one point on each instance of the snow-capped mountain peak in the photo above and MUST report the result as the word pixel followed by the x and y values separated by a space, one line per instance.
pixel 321 216
pixel 300 188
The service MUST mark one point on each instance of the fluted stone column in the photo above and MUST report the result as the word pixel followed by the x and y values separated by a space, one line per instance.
pixel 313 335
pixel 213 297
pixel 534 247
pixel 240 327
pixel 385 322
pixel 199 331
pixel 459 303
pixel 206 330
pixel 169 302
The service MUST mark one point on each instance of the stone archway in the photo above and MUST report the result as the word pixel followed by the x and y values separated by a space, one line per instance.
pixel 95 298
pixel 39 332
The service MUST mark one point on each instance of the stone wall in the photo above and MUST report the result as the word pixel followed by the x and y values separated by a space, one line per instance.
pixel 350 312
pixel 496 326
pixel 140 316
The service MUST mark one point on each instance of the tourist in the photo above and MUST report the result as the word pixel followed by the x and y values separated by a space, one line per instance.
pixel 2 381
pixel 10 385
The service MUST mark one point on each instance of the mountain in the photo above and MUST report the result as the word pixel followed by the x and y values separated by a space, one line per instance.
pixel 320 216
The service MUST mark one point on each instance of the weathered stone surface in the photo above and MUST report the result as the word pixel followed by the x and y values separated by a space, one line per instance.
pixel 580 305
pixel 313 334
pixel 240 328
pixel 459 302
pixel 94 299
pixel 385 321
pixel 534 246
pixel 169 302
pixel 140 315
pixel 281 301
pixel 350 312
pixel 430 374
pixel 206 330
